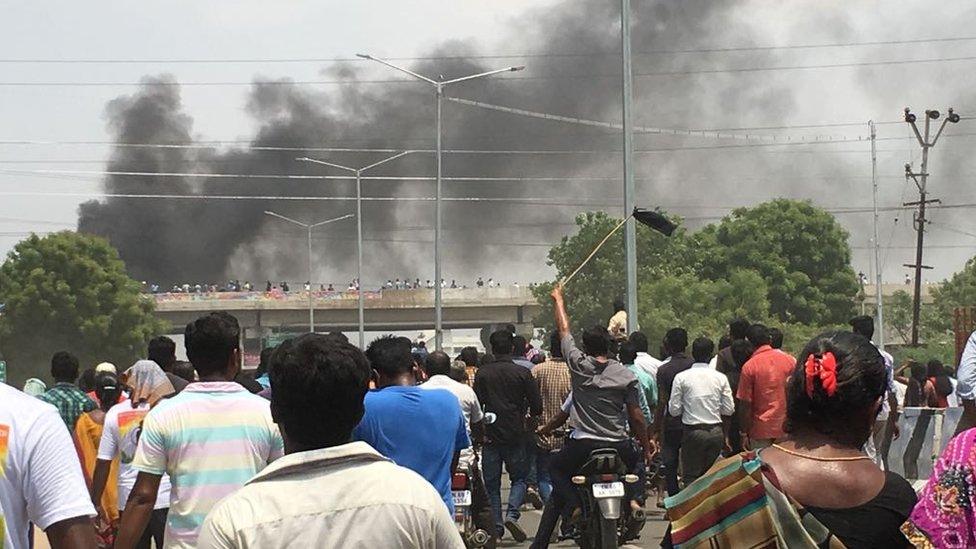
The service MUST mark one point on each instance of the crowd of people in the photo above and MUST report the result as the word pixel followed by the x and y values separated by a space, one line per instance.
pixel 330 445
pixel 283 286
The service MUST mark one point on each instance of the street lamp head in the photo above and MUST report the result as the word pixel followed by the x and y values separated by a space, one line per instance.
pixel 908 168
pixel 909 117
pixel 364 56
pixel 953 117
pixel 518 68
pixel 267 212
pixel 933 114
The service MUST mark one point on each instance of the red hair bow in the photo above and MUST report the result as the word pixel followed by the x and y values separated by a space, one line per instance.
pixel 824 367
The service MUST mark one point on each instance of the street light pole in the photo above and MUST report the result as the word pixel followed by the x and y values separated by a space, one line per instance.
pixel 361 305
pixel 630 229
pixel 308 228
pixel 439 86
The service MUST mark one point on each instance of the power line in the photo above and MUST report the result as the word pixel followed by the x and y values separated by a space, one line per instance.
pixel 240 60
pixel 581 76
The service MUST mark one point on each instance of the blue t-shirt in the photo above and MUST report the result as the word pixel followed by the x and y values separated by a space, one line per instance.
pixel 419 429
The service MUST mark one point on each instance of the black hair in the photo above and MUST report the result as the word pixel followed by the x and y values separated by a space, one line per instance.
pixel 724 341
pixel 758 335
pixel 469 356
pixel 337 336
pixel 315 377
pixel 184 370
pixel 741 352
pixel 596 341
pixel 521 345
pixel 846 415
pixel 211 341
pixel 618 305
pixel 738 328
pixel 390 355
pixel 640 341
pixel 702 349
pixel 915 392
pixel 862 325
pixel 776 338
pixel 935 369
pixel 107 389
pixel 64 367
pixel 628 353
pixel 676 340
pixel 459 373
pixel 486 358
pixel 263 361
pixel 86 381
pixel 555 345
pixel 438 363
pixel 501 342
pixel 162 351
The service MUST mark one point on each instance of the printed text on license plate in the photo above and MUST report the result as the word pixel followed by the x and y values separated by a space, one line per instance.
pixel 463 497
pixel 608 490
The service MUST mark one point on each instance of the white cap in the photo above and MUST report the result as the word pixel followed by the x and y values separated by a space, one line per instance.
pixel 106 367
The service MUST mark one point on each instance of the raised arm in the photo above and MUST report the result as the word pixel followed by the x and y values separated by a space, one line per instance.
pixel 559 309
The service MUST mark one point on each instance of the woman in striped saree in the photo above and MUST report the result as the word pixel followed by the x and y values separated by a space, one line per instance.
pixel 815 488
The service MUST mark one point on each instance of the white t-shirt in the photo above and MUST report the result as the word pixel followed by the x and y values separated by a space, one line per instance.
pixel 40 475
pixel 470 406
pixel 120 436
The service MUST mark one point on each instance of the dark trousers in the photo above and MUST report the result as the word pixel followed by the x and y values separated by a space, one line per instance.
pixel 154 530
pixel 670 457
pixel 700 447
pixel 564 465
pixel 516 463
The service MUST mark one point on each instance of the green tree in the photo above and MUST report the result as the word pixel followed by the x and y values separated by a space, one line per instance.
pixel 958 291
pixel 798 249
pixel 69 291
pixel 590 295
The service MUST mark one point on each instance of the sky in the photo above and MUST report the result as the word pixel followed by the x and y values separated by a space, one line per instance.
pixel 832 175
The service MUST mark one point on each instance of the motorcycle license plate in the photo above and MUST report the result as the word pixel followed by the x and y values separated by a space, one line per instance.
pixel 608 490
pixel 463 497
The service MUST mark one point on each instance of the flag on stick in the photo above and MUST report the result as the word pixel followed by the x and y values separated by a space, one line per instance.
pixel 649 218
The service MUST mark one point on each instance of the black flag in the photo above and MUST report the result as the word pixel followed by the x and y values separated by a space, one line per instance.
pixel 654 220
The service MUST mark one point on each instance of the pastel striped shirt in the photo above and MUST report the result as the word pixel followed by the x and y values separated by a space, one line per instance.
pixel 211 439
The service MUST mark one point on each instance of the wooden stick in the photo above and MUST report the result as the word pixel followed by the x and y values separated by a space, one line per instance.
pixel 593 253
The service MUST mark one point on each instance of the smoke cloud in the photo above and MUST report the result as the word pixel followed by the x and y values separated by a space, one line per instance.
pixel 195 240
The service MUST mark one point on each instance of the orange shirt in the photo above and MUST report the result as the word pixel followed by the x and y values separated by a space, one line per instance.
pixel 763 384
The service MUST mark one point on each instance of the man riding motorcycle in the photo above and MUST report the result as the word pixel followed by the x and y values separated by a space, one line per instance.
pixel 605 402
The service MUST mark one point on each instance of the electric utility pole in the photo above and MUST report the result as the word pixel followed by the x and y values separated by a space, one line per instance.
pixel 921 180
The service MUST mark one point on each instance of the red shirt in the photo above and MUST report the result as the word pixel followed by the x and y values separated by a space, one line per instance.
pixel 763 384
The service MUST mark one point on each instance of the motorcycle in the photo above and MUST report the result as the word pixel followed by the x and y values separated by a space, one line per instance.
pixel 461 493
pixel 606 519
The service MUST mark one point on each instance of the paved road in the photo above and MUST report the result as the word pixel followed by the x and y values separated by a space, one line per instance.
pixel 650 536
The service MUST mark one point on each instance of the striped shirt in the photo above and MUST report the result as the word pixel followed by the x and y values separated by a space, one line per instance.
pixel 210 439
pixel 70 401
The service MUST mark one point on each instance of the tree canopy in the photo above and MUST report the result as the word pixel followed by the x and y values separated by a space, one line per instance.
pixel 69 291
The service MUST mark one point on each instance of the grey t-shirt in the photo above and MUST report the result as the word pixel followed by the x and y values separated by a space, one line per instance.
pixel 601 393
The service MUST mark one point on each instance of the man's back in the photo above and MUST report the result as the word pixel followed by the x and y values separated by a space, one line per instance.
pixel 211 439
pixel 509 391
pixel 677 363
pixel 346 496
pixel 552 377
pixel 601 391
pixel 763 384
pixel 703 394
pixel 40 476
pixel 70 401
pixel 418 429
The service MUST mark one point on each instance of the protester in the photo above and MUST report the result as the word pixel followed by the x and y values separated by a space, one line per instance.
pixel 762 400
pixel 937 386
pixel 552 378
pixel 509 391
pixel 776 339
pixel 945 515
pixel 667 428
pixel 886 424
pixel 469 356
pixel 915 391
pixel 210 439
pixel 437 369
pixel 147 385
pixel 521 348
pixel 262 374
pixel 816 487
pixel 628 356
pixel 185 371
pixel 966 388
pixel 702 398
pixel 41 481
pixel 741 351
pixel 459 373
pixel 604 404
pixel 421 430
pixel 87 434
pixel 327 491
pixel 162 351
pixel 724 363
pixel 644 360
pixel 618 322
pixel 70 401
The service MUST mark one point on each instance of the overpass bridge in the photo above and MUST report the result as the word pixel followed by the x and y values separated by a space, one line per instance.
pixel 386 310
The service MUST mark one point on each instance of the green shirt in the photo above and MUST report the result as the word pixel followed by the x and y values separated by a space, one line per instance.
pixel 70 401
pixel 648 392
